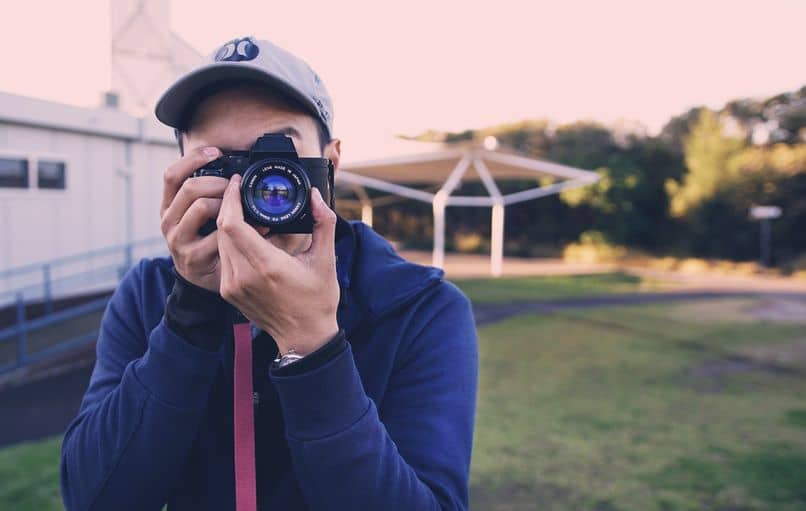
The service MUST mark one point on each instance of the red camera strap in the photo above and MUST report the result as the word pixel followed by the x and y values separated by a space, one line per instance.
pixel 244 425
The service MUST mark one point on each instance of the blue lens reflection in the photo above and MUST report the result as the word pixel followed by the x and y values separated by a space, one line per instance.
pixel 274 195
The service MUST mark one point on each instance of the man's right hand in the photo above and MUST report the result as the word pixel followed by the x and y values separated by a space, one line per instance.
pixel 186 205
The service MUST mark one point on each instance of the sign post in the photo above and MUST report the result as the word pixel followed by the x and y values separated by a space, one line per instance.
pixel 765 214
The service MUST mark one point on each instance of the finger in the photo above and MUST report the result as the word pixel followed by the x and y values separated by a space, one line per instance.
pixel 323 244
pixel 207 245
pixel 227 275
pixel 231 209
pixel 236 266
pixel 181 169
pixel 224 242
pixel 197 214
pixel 190 191
pixel 199 254
pixel 244 238
pixel 203 252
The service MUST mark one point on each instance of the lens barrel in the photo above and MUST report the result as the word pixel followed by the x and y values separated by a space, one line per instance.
pixel 274 191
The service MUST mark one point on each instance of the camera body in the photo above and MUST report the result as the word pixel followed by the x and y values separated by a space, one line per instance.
pixel 276 184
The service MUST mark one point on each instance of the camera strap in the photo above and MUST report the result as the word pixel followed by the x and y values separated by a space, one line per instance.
pixel 331 178
pixel 244 417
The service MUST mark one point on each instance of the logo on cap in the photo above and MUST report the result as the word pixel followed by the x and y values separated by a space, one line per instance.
pixel 322 110
pixel 237 50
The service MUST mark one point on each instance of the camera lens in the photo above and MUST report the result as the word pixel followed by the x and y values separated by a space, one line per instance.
pixel 274 194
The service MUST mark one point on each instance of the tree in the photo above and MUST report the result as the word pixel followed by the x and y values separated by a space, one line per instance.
pixel 707 151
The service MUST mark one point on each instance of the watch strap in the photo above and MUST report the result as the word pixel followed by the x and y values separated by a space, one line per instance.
pixel 315 359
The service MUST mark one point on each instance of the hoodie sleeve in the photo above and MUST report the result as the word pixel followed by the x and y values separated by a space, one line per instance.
pixel 413 453
pixel 141 412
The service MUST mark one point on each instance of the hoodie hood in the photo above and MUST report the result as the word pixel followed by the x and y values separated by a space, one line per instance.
pixel 377 279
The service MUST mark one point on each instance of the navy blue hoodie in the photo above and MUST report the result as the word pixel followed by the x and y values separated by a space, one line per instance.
pixel 387 424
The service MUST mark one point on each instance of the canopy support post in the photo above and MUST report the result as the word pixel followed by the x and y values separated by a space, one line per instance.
pixel 497 231
pixel 366 204
pixel 438 257
pixel 439 204
pixel 366 213
pixel 497 241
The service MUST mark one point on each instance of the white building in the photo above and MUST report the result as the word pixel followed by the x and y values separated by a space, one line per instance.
pixel 75 180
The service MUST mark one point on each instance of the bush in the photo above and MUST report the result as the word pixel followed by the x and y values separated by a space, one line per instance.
pixel 470 242
pixel 593 248
pixel 796 267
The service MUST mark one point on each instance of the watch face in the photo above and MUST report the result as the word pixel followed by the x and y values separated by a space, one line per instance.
pixel 288 358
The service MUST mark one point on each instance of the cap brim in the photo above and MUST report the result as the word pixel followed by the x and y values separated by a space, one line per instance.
pixel 172 106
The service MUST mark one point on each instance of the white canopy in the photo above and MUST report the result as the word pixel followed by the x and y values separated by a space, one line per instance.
pixel 445 167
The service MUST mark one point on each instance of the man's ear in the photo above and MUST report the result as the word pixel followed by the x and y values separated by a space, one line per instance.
pixel 333 153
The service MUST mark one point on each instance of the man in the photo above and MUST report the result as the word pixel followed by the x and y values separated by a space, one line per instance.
pixel 378 412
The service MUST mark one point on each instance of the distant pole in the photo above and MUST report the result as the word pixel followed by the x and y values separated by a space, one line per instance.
pixel 21 332
pixel 128 221
pixel 128 193
pixel 765 215
pixel 46 289
pixel 765 242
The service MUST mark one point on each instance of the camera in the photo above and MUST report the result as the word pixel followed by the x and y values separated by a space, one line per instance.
pixel 276 184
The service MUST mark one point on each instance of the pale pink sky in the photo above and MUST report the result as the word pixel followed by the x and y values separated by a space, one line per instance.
pixel 403 67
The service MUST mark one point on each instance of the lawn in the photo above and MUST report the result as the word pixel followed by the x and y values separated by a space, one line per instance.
pixel 29 477
pixel 654 408
pixel 684 407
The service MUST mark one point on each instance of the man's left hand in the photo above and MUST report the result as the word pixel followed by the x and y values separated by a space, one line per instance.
pixel 292 297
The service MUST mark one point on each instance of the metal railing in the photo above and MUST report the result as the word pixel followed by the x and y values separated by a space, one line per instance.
pixel 43 283
pixel 40 281
pixel 20 330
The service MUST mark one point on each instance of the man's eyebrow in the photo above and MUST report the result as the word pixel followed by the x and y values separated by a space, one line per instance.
pixel 285 130
pixel 288 130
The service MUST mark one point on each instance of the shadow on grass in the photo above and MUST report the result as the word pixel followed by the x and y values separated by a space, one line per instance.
pixel 774 475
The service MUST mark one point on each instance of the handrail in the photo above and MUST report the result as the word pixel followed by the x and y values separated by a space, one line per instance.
pixel 39 282
pixel 60 261
pixel 30 289
pixel 100 270
pixel 23 327
pixel 53 318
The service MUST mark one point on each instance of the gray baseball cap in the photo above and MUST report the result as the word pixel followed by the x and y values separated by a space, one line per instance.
pixel 250 60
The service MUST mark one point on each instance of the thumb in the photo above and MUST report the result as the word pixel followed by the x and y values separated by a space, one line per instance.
pixel 323 244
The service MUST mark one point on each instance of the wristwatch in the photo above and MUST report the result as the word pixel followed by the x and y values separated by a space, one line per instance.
pixel 289 357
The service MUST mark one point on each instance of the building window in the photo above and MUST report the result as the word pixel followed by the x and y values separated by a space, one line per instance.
pixel 51 174
pixel 13 173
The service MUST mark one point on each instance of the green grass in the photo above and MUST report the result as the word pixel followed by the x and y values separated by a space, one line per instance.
pixel 508 289
pixel 650 408
pixel 637 409
pixel 29 476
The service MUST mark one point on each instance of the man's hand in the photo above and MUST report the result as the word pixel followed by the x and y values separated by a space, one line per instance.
pixel 186 205
pixel 293 298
